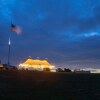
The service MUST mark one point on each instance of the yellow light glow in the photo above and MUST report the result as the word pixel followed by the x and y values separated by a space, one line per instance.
pixel 36 64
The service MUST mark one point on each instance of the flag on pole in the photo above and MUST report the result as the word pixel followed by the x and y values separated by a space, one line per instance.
pixel 15 29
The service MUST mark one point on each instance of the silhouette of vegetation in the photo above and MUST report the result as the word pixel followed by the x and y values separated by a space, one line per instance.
pixel 67 70
pixel 59 70
pixel 63 70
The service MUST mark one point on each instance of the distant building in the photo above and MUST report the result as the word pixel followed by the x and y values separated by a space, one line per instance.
pixel 2 67
pixel 6 67
pixel 39 65
pixel 81 71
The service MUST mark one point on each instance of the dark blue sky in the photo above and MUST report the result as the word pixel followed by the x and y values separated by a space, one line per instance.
pixel 67 32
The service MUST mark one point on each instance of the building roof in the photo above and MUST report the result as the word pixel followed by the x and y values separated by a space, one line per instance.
pixel 36 62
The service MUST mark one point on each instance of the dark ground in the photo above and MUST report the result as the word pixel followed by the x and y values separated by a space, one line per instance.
pixel 28 85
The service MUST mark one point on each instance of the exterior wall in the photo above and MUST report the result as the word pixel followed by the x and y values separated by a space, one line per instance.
pixel 38 68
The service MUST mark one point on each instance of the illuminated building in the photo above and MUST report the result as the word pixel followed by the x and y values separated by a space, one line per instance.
pixel 1 66
pixel 39 65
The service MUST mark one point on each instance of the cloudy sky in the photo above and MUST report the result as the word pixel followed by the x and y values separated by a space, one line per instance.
pixel 67 32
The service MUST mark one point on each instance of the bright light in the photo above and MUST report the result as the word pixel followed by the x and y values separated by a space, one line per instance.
pixel 9 42
pixel 39 65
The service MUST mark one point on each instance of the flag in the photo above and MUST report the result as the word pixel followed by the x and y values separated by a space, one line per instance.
pixel 15 29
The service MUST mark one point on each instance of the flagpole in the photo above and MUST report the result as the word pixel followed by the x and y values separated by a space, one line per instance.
pixel 9 50
pixel 9 46
pixel 13 29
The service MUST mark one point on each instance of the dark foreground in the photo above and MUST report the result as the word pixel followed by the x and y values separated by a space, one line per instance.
pixel 24 85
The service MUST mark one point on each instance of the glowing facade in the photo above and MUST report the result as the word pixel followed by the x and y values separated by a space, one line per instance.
pixel 39 65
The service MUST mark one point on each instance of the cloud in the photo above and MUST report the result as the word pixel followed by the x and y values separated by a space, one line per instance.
pixel 6 9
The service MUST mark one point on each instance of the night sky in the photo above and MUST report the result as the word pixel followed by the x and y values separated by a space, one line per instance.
pixel 67 32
